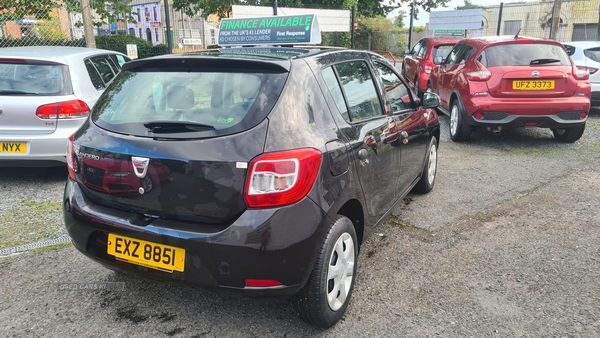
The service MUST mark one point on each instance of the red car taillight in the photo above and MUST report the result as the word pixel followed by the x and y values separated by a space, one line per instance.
pixel 483 74
pixel 428 66
pixel 71 156
pixel 587 69
pixel 281 178
pixel 63 110
pixel 579 73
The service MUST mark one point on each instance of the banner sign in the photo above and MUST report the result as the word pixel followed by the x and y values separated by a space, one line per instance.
pixel 449 32
pixel 271 30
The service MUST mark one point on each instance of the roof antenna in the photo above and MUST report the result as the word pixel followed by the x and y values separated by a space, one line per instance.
pixel 517 35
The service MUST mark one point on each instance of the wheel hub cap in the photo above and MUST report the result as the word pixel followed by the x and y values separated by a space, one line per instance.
pixel 340 272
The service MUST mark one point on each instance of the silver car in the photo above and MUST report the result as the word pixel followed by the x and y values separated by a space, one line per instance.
pixel 586 55
pixel 46 94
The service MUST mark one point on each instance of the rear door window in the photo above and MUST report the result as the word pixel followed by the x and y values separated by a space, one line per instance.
pixel 359 90
pixel 33 79
pixel 441 51
pixel 336 92
pixel 525 54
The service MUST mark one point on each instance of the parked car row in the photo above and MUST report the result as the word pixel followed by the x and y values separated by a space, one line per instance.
pixel 507 82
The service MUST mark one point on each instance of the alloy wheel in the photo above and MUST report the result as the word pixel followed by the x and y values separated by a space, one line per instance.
pixel 454 119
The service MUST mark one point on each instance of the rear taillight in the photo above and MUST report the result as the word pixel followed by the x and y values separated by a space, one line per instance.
pixel 587 69
pixel 71 156
pixel 63 110
pixel 578 73
pixel 428 66
pixel 281 178
pixel 483 74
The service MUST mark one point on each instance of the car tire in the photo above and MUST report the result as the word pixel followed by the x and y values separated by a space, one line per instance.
pixel 323 300
pixel 460 131
pixel 569 135
pixel 427 180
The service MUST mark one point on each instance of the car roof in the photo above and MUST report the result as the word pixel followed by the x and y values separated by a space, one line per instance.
pixel 583 44
pixel 484 41
pixel 52 52
pixel 261 53
pixel 443 41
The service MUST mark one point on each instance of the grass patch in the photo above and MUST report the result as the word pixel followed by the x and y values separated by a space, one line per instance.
pixel 30 222
pixel 53 247
pixel 411 230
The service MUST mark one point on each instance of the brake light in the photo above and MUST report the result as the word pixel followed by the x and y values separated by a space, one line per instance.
pixel 587 69
pixel 71 156
pixel 428 66
pixel 9 60
pixel 483 74
pixel 281 178
pixel 63 110
pixel 579 73
pixel 524 41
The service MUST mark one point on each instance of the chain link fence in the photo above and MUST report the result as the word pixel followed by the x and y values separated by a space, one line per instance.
pixel 61 24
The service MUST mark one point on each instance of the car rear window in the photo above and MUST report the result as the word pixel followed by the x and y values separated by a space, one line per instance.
pixel 522 54
pixel 593 53
pixel 441 50
pixel 33 79
pixel 208 102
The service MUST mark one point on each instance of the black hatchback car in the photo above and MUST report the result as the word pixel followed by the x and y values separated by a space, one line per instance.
pixel 257 171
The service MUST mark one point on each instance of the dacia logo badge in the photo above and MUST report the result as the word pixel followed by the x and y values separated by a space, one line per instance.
pixel 140 166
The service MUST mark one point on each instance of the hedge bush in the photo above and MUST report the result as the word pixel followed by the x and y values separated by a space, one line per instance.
pixel 119 43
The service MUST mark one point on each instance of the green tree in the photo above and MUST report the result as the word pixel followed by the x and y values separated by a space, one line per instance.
pixel 399 19
pixel 426 5
pixel 50 29
pixel 18 9
pixel 468 5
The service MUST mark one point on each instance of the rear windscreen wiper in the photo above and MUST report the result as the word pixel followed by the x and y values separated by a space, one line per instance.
pixel 176 126
pixel 542 61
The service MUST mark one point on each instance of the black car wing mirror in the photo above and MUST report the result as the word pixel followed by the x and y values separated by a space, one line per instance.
pixel 430 100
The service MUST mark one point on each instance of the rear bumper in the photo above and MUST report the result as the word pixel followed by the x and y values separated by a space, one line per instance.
pixel 219 258
pixel 513 113
pixel 42 150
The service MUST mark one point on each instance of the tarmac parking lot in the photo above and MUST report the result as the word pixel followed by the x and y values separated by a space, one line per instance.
pixel 507 244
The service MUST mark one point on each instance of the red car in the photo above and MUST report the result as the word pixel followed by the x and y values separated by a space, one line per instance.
pixel 419 62
pixel 505 82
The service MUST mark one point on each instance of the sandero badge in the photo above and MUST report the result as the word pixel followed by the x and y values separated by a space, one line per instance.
pixel 251 170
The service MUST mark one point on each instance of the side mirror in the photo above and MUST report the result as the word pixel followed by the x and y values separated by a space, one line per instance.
pixel 406 52
pixel 438 60
pixel 430 100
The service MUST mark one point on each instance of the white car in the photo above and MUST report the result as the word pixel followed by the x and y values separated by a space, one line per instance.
pixel 586 55
pixel 46 94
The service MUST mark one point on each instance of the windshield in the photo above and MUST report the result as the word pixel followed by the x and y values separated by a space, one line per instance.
pixel 32 79
pixel 525 54
pixel 179 101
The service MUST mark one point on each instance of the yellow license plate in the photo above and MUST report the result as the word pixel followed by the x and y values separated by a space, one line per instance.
pixel 152 255
pixel 13 147
pixel 533 85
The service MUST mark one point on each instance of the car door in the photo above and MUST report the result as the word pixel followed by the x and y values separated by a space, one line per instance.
pixel 356 96
pixel 410 62
pixel 449 69
pixel 407 130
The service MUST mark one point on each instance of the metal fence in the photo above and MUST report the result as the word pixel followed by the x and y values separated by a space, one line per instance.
pixel 562 20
